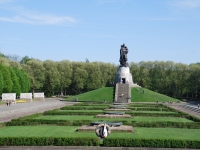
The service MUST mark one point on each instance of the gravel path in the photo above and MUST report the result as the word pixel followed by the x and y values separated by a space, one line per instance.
pixel 24 109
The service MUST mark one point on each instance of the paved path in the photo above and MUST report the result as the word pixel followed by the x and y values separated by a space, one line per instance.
pixel 177 107
pixel 24 109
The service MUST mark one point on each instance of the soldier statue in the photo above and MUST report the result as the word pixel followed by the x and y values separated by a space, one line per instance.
pixel 123 56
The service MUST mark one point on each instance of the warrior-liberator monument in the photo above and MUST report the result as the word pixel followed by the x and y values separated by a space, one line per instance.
pixel 123 78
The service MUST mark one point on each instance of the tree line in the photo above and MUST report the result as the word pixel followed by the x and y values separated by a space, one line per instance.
pixel 13 79
pixel 173 79
pixel 69 78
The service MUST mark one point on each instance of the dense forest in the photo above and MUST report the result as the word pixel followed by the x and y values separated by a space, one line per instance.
pixel 70 78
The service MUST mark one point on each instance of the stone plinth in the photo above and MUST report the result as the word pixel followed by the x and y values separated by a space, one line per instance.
pixel 124 76
pixel 122 128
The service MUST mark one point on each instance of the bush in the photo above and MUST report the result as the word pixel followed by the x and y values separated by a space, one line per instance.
pixel 160 143
pixel 45 141
pixel 84 108
pixel 167 124
pixel 69 113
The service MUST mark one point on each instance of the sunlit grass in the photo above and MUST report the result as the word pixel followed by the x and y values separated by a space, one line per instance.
pixel 136 119
pixel 70 131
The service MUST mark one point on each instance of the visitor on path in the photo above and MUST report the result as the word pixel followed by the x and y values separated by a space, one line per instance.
pixel 198 105
pixel 7 103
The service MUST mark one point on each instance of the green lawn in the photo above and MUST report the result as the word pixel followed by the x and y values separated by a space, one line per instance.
pixel 136 95
pixel 96 95
pixel 155 112
pixel 136 119
pixel 101 111
pixel 70 131
pixel 2 103
pixel 148 96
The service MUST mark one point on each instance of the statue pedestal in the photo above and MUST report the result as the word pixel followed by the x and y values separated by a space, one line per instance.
pixel 123 75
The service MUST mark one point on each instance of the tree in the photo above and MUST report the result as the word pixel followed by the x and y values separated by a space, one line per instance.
pixel 79 76
pixel 16 88
pixel 4 61
pixel 13 57
pixel 25 59
pixel 8 84
pixel 24 81
pixel 65 70
pixel 52 76
pixel 93 80
pixel 36 73
pixel 48 87
pixel 108 72
pixel 1 83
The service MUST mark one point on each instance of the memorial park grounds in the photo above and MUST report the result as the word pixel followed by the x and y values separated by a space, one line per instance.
pixel 155 123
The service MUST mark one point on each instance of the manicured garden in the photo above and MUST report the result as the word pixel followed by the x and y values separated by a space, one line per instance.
pixel 155 125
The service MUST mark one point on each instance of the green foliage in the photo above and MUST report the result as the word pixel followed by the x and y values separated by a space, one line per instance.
pixel 8 84
pixel 15 80
pixel 36 73
pixel 23 80
pixel 1 83
pixel 160 143
pixel 84 108
pixel 48 87
pixel 48 141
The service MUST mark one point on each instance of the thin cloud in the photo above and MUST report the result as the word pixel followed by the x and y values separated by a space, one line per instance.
pixel 32 18
pixel 5 1
pixel 186 3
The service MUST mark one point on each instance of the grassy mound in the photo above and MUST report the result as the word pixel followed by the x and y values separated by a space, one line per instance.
pixel 96 95
pixel 145 95
pixel 137 95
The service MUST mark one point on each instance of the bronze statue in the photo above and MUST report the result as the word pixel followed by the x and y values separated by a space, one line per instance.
pixel 123 56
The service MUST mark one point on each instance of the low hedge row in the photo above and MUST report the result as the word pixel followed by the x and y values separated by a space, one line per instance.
pixel 148 109
pixel 46 141
pixel 70 113
pixel 84 108
pixel 146 105
pixel 29 122
pixel 91 104
pixel 156 114
pixel 167 124
pixel 159 143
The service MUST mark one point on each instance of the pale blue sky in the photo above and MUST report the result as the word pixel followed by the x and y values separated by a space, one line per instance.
pixel 78 29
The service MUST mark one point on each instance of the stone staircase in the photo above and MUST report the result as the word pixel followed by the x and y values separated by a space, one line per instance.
pixel 190 108
pixel 122 93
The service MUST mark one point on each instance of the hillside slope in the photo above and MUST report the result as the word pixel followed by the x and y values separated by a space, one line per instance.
pixel 137 95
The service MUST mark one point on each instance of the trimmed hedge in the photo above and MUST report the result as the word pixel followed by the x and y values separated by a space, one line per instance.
pixel 83 108
pixel 167 124
pixel 46 141
pixel 70 113
pixel 148 109
pixel 159 143
pixel 29 122
pixel 157 114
